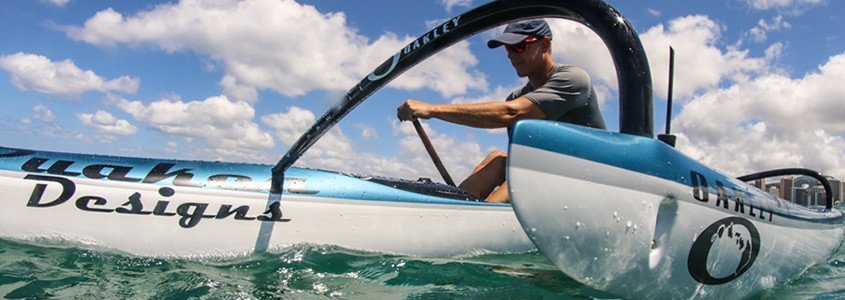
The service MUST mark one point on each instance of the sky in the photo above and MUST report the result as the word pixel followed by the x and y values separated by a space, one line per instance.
pixel 759 84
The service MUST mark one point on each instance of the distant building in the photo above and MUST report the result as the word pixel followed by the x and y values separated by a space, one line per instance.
pixel 773 190
pixel 801 195
pixel 804 190
pixel 817 195
pixel 806 180
pixel 770 185
pixel 838 189
pixel 786 185
pixel 760 183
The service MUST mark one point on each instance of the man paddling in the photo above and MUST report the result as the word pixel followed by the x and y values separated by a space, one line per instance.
pixel 553 92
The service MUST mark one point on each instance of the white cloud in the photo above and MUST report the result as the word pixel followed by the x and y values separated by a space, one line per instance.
pixel 588 53
pixel 450 5
pixel 700 63
pixel 760 32
pixel 263 46
pixel 291 125
pixel 459 156
pixel 446 72
pixel 63 78
pixel 774 52
pixel 41 124
pixel 367 132
pixel 226 126
pixel 236 90
pixel 43 113
pixel 333 151
pixel 793 6
pixel 770 122
pixel 59 3
pixel 106 122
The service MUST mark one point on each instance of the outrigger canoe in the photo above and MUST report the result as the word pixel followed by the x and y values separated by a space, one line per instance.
pixel 620 212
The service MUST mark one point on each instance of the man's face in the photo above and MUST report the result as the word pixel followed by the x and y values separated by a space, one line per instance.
pixel 526 56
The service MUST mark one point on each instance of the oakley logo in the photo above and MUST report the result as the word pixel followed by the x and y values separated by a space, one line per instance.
pixel 724 251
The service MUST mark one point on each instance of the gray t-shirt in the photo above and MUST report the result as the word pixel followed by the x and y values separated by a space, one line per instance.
pixel 567 96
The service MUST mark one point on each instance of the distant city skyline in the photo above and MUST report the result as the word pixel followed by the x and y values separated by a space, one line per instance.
pixel 803 190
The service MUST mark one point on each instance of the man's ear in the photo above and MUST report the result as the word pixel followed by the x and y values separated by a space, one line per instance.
pixel 547 43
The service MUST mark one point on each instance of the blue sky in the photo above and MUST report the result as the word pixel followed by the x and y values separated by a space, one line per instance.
pixel 758 82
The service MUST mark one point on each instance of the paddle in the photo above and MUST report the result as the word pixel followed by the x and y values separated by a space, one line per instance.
pixel 431 152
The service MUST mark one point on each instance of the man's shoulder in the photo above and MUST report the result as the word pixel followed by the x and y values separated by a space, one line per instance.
pixel 570 73
pixel 519 91
pixel 562 68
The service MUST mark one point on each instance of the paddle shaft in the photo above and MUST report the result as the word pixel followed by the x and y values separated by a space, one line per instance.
pixel 433 153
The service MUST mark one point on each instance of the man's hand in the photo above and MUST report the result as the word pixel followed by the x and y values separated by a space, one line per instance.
pixel 413 109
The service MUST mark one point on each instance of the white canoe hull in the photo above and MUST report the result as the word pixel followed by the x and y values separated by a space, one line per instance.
pixel 168 220
pixel 641 236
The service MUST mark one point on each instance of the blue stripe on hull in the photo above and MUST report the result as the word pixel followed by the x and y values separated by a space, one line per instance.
pixel 630 152
pixel 209 175
pixel 652 157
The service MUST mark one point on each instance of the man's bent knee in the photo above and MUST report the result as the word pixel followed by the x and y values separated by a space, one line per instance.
pixel 498 153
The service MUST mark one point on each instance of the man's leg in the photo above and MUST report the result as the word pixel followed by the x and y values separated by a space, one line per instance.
pixel 500 195
pixel 488 175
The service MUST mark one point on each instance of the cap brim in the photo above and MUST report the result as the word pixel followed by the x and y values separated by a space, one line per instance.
pixel 507 38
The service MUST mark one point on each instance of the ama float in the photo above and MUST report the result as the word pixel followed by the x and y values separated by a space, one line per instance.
pixel 620 212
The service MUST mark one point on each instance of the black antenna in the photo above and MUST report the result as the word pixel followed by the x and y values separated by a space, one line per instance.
pixel 669 138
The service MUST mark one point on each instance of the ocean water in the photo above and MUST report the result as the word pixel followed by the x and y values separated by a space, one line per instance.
pixel 29 271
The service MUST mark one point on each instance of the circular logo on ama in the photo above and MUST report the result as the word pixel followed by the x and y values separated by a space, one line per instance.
pixel 724 251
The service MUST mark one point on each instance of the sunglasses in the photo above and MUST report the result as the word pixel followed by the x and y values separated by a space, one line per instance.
pixel 518 48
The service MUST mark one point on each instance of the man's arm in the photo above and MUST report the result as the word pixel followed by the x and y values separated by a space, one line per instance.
pixel 481 115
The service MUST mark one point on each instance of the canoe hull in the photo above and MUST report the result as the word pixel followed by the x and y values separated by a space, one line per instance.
pixel 646 231
pixel 47 196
